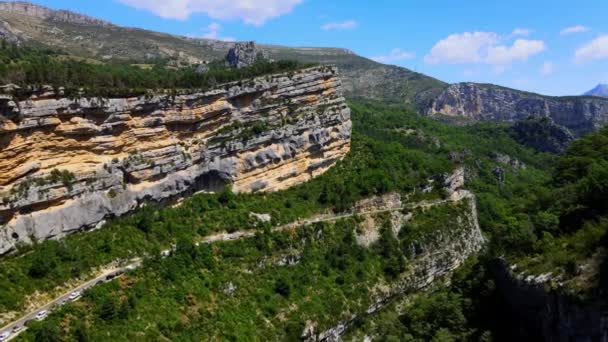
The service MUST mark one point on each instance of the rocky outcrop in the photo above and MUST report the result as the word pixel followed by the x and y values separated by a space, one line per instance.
pixel 245 54
pixel 600 90
pixel 488 102
pixel 537 313
pixel 68 164
pixel 44 13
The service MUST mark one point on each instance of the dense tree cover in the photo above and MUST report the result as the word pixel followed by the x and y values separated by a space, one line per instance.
pixel 542 134
pixel 575 223
pixel 230 291
pixel 563 232
pixel 35 67
pixel 239 290
pixel 464 311
pixel 508 211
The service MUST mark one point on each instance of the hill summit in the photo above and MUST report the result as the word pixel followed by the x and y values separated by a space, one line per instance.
pixel 599 90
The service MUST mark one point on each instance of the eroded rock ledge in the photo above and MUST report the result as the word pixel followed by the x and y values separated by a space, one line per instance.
pixel 68 164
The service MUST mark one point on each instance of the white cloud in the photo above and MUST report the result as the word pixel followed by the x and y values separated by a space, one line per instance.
pixel 574 29
pixel 483 48
pixel 251 12
pixel 394 56
pixel 520 51
pixel 345 25
pixel 547 69
pixel 595 49
pixel 213 32
pixel 462 48
pixel 521 32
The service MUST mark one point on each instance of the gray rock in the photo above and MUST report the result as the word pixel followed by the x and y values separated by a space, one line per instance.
pixel 230 289
pixel 264 218
pixel 245 54
pixel 539 308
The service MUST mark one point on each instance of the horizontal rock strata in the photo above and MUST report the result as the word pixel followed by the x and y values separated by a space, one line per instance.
pixel 68 164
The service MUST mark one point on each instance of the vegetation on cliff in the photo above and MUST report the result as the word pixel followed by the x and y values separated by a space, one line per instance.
pixel 37 67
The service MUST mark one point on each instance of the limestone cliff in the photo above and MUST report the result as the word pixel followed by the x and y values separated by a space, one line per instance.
pixel 68 164
pixel 488 102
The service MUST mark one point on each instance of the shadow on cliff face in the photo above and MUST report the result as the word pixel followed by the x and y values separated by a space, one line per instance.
pixel 211 181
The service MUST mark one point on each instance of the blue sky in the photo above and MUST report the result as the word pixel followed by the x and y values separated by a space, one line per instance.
pixel 553 47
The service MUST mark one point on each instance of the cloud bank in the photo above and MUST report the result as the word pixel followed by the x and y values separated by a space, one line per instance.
pixel 593 50
pixel 482 48
pixel 251 12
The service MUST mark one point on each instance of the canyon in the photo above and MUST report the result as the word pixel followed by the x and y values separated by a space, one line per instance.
pixel 68 164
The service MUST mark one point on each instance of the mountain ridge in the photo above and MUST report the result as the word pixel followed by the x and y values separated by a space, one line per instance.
pixel 600 90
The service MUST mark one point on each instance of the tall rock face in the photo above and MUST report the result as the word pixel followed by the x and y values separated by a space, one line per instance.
pixel 68 164
pixel 486 102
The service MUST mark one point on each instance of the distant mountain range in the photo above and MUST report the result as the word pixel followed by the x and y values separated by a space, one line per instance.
pixel 600 90
pixel 99 40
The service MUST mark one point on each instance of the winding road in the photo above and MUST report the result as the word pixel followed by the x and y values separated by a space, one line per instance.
pixel 20 325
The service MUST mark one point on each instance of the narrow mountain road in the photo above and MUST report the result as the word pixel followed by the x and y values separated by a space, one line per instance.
pixel 21 324
pixel 113 272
